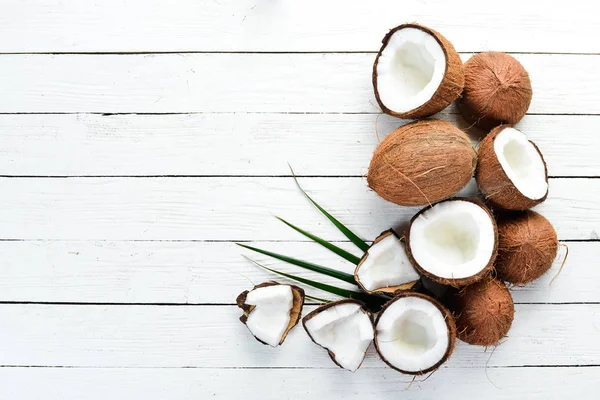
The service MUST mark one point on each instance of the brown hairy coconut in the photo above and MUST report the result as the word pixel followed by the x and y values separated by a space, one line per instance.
pixel 511 171
pixel 484 312
pixel 414 333
pixel 527 246
pixel 421 163
pixel 497 90
pixel 417 72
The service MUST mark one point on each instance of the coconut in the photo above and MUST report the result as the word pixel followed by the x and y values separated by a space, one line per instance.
pixel 414 333
pixel 453 242
pixel 271 310
pixel 511 171
pixel 422 163
pixel 385 267
pixel 527 246
pixel 484 312
pixel 417 72
pixel 344 328
pixel 497 90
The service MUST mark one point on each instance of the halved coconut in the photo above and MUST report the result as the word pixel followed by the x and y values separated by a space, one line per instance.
pixel 344 328
pixel 417 72
pixel 415 334
pixel 511 171
pixel 453 242
pixel 271 310
pixel 385 267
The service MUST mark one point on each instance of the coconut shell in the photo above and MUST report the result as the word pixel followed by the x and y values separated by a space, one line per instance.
pixel 327 306
pixel 450 323
pixel 295 312
pixel 459 282
pixel 390 290
pixel 495 185
pixel 497 90
pixel 484 312
pixel 422 163
pixel 527 246
pixel 449 89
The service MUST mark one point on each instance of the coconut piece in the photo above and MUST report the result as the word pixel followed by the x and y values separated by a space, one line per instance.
pixel 527 246
pixel 511 171
pixel 271 310
pixel 385 267
pixel 417 72
pixel 453 242
pixel 414 333
pixel 484 312
pixel 344 328
pixel 421 163
pixel 497 90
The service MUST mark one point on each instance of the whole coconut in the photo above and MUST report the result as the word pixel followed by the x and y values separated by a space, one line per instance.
pixel 527 246
pixel 484 312
pixel 422 163
pixel 497 90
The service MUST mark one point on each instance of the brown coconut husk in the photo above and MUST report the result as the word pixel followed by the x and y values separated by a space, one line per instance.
pixel 460 282
pixel 497 90
pixel 484 312
pixel 493 182
pixel 390 290
pixel 450 88
pixel 421 163
pixel 327 306
pixel 295 312
pixel 450 323
pixel 527 246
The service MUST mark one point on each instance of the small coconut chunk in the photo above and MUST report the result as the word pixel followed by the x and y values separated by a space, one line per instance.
pixel 385 265
pixel 414 334
pixel 344 328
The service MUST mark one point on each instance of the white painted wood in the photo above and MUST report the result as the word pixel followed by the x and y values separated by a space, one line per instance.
pixel 211 272
pixel 245 144
pixel 262 25
pixel 235 208
pixel 317 83
pixel 278 384
pixel 212 336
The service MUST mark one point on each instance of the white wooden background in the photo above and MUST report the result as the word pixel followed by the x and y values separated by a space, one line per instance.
pixel 140 138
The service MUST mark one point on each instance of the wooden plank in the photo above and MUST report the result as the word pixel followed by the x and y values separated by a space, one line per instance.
pixel 234 208
pixel 288 25
pixel 277 384
pixel 212 336
pixel 244 144
pixel 318 83
pixel 213 272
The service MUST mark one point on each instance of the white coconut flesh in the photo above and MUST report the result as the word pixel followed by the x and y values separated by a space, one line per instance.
pixel 412 334
pixel 345 330
pixel 386 265
pixel 410 69
pixel 453 239
pixel 270 318
pixel 521 162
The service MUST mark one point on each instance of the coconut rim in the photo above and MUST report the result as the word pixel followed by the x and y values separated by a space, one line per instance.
pixel 385 42
pixel 336 303
pixel 390 290
pixel 456 282
pixel 450 324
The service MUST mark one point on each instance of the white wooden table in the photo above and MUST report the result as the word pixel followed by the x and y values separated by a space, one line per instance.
pixel 140 138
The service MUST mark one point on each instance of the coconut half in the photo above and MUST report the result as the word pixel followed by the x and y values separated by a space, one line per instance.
pixel 415 334
pixel 344 328
pixel 511 171
pixel 417 72
pixel 453 242
pixel 271 310
pixel 385 267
